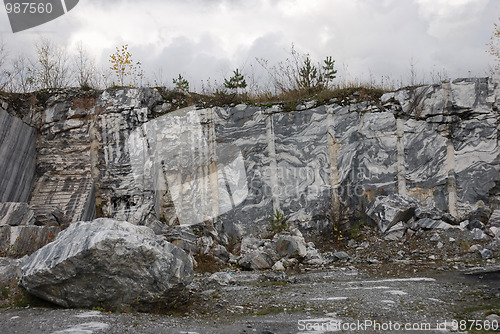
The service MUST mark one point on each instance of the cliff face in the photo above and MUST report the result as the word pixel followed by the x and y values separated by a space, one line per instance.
pixel 123 154
pixel 18 158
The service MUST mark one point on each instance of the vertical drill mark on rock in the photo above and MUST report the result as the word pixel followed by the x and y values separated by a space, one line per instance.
pixel 401 157
pixel 450 155
pixel 452 186
pixel 333 151
pixel 273 166
pixel 94 160
pixel 144 147
pixel 158 169
pixel 212 170
pixel 495 106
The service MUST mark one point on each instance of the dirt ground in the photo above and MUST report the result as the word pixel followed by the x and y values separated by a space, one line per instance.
pixel 408 286
pixel 309 302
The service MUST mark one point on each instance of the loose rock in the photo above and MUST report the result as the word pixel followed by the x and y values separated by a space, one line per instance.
pixel 256 260
pixel 107 263
pixel 387 211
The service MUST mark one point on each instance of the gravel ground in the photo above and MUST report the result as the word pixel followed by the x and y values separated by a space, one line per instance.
pixel 286 303
pixel 413 281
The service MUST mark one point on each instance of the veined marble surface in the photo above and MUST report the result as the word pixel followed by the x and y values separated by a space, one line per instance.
pixel 17 158
pixel 436 143
pixel 444 153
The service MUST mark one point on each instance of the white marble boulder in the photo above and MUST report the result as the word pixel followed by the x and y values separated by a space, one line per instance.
pixel 256 260
pixel 110 264
pixel 290 246
pixel 387 211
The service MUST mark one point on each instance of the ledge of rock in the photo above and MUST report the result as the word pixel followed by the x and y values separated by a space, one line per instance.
pixel 108 263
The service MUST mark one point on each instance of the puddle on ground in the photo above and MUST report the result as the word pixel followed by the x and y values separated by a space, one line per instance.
pixel 395 280
pixel 90 314
pixel 397 292
pixel 368 288
pixel 330 298
pixel 86 328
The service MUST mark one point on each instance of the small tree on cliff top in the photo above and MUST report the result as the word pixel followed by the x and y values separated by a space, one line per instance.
pixel 299 73
pixel 181 84
pixel 315 78
pixel 122 64
pixel 236 82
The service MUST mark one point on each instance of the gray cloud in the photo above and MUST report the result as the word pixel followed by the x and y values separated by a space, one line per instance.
pixel 209 38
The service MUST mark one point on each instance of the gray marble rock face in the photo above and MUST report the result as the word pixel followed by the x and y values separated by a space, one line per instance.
pixel 437 144
pixel 120 113
pixel 302 184
pixel 476 158
pixel 16 214
pixel 425 152
pixel 249 129
pixel 63 181
pixel 290 172
pixel 17 158
pixel 367 155
pixel 107 263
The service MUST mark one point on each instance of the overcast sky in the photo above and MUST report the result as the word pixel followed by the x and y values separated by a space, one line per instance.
pixel 203 39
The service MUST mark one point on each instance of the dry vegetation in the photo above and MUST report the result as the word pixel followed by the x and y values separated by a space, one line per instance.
pixel 287 82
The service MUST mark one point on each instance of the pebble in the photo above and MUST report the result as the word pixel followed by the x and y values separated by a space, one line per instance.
pixel 435 237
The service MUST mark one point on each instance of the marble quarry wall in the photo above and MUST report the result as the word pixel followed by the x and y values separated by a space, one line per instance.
pixel 18 158
pixel 124 154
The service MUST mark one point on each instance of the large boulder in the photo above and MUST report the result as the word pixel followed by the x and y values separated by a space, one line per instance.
pixel 108 263
pixel 290 246
pixel 256 260
pixel 430 224
pixel 387 211
pixel 396 232
pixel 313 256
